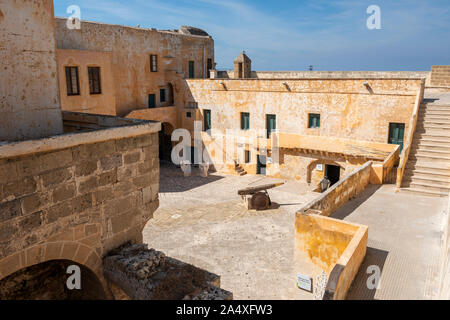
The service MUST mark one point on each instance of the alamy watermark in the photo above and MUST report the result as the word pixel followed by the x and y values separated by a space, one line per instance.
pixel 374 20
pixel 74 21
pixel 74 280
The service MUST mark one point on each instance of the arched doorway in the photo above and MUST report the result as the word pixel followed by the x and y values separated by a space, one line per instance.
pixel 331 169
pixel 48 281
pixel 165 142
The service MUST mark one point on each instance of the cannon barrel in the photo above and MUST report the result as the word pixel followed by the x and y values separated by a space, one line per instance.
pixel 253 190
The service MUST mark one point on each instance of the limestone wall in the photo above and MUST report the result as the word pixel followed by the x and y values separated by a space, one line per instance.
pixel 445 258
pixel 104 103
pixel 440 76
pixel 130 49
pixel 29 92
pixel 76 196
pixel 347 108
pixel 346 189
pixel 331 247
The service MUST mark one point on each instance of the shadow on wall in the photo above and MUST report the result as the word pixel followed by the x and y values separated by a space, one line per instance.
pixel 173 180
pixel 353 204
pixel 359 289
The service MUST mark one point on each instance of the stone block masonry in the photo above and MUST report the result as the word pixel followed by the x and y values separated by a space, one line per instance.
pixel 76 203
pixel 440 76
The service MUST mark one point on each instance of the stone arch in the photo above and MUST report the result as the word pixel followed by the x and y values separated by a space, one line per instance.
pixel 76 252
pixel 314 163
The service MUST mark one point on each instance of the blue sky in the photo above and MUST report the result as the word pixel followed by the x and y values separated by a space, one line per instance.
pixel 291 35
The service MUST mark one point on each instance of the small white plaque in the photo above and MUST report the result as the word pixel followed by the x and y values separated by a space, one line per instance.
pixel 304 282
pixel 319 167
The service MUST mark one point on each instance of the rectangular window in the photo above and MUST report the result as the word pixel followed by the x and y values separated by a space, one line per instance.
pixel 153 63
pixel 271 124
pixel 314 120
pixel 209 65
pixel 247 156
pixel 245 121
pixel 188 115
pixel 94 80
pixel 72 81
pixel 206 120
pixel 151 101
pixel 191 70
pixel 162 95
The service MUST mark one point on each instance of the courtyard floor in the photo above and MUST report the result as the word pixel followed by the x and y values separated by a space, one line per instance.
pixel 203 221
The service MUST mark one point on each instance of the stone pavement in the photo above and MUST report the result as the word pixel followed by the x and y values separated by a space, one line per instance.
pixel 404 241
pixel 203 221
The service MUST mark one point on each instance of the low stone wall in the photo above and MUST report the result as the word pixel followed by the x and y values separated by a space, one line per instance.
pixel 76 196
pixel 331 249
pixel 229 74
pixel 440 76
pixel 346 189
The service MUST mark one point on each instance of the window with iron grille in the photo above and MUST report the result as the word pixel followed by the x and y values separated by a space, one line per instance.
pixel 72 81
pixel 94 80
pixel 153 63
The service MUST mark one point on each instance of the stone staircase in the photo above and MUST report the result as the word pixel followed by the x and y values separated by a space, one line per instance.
pixel 428 169
pixel 239 170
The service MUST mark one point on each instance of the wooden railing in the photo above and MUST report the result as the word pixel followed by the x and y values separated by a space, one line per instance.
pixel 409 138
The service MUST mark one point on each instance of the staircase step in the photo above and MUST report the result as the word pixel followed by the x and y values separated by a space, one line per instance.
pixel 423 116
pixel 424 152
pixel 433 132
pixel 431 186
pixel 423 192
pixel 423 172
pixel 436 166
pixel 433 126
pixel 431 146
pixel 435 112
pixel 438 181
pixel 435 121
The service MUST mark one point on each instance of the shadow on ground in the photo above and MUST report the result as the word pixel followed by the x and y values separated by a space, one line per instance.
pixel 173 180
pixel 359 289
pixel 353 204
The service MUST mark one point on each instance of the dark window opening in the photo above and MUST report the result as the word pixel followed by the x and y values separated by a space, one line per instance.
pixel 209 65
pixel 188 115
pixel 162 95
pixel 151 101
pixel 94 80
pixel 153 63
pixel 206 120
pixel 72 81
pixel 245 121
pixel 191 70
pixel 314 120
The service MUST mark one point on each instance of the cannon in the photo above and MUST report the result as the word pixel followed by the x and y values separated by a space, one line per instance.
pixel 257 198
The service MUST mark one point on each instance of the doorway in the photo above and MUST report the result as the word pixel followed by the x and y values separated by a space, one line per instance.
pixel 261 165
pixel 333 173
pixel 165 142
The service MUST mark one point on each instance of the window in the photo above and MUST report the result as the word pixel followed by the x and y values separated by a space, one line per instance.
pixel 245 121
pixel 247 156
pixel 206 120
pixel 151 101
pixel 162 95
pixel 191 70
pixel 397 134
pixel 72 81
pixel 314 120
pixel 153 63
pixel 209 65
pixel 188 115
pixel 271 124
pixel 94 80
